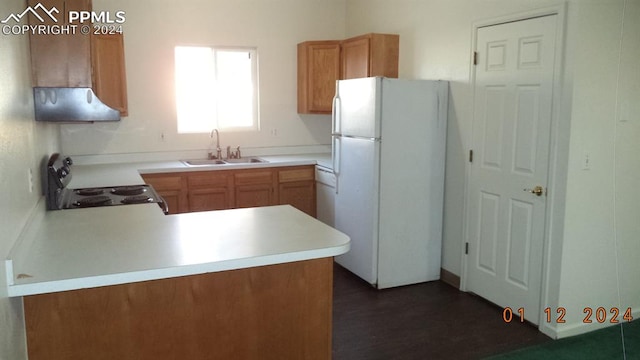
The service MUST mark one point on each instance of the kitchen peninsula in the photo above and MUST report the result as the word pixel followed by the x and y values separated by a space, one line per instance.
pixel 130 283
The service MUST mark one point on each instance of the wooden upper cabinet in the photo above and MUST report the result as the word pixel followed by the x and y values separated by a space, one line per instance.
pixel 109 75
pixel 318 70
pixel 62 60
pixel 76 59
pixel 355 58
pixel 370 55
pixel 322 63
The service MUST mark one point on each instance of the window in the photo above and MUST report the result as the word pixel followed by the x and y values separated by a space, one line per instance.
pixel 216 88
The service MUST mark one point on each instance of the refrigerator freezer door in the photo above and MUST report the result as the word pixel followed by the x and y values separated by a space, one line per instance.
pixel 356 204
pixel 358 107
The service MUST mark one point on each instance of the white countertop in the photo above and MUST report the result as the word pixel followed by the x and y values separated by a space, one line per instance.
pixel 129 173
pixel 80 248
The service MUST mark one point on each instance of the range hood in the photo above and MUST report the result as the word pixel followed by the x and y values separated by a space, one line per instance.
pixel 71 105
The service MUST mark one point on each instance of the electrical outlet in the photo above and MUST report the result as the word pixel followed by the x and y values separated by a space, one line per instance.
pixel 586 161
pixel 162 137
pixel 274 132
pixel 30 180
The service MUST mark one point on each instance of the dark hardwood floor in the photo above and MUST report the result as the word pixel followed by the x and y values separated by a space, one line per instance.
pixel 425 321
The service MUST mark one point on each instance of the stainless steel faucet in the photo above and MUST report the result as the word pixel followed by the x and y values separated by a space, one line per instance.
pixel 233 154
pixel 218 154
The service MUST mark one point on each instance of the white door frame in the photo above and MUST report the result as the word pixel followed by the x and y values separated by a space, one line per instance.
pixel 558 158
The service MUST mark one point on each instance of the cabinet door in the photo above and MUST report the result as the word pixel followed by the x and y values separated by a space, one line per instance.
pixel 210 191
pixel 297 187
pixel 253 195
pixel 208 199
pixel 299 194
pixel 384 55
pixel 172 199
pixel 109 75
pixel 254 188
pixel 318 70
pixel 172 188
pixel 62 60
pixel 355 58
pixel 370 55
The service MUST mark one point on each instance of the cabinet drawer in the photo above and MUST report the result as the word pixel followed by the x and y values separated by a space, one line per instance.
pixel 254 177
pixel 164 182
pixel 299 174
pixel 208 180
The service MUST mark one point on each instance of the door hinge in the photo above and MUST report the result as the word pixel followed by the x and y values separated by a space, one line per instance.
pixel 471 156
pixel 475 58
pixel 466 248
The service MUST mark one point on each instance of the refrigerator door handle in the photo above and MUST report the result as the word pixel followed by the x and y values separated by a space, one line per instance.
pixel 335 113
pixel 336 149
pixel 336 154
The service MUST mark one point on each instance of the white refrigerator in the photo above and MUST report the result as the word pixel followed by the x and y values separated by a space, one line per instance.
pixel 388 157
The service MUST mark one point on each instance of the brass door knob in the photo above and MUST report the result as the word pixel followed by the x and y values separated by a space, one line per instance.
pixel 538 190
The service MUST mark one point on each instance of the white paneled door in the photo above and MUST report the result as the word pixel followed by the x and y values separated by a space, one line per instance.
pixel 508 178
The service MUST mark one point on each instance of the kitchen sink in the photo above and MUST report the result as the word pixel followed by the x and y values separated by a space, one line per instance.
pixel 203 162
pixel 247 160
pixel 208 162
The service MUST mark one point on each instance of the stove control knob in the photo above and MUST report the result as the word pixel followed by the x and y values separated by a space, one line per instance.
pixel 68 161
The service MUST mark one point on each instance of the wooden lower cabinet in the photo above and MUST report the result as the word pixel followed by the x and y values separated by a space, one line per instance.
pixel 253 195
pixel 172 188
pixel 254 188
pixel 229 189
pixel 297 193
pixel 210 191
pixel 173 200
pixel 278 312
pixel 297 187
pixel 208 199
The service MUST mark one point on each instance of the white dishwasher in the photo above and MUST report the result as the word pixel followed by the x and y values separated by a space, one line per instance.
pixel 325 194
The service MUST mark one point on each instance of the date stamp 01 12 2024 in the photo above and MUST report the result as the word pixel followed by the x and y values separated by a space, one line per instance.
pixel 600 315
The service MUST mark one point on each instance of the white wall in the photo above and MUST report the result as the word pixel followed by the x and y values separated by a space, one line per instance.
pixel 23 145
pixel 154 28
pixel 601 235
pixel 594 212
pixel 627 161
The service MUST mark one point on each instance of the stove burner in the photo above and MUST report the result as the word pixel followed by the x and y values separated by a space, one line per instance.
pixel 128 190
pixel 100 200
pixel 136 199
pixel 89 192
